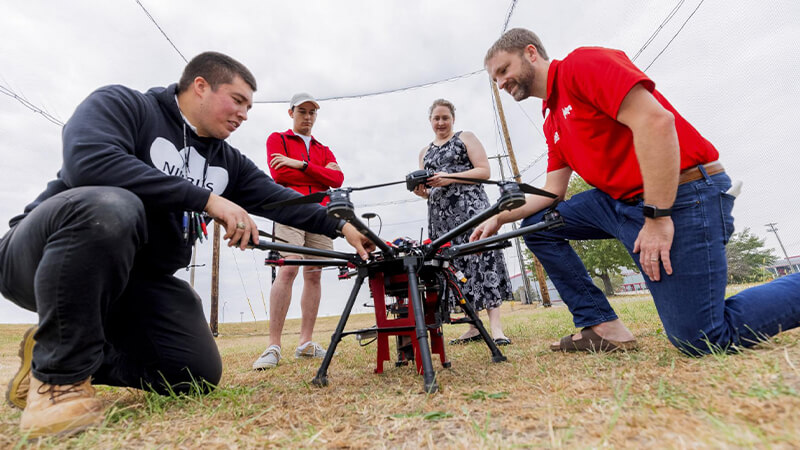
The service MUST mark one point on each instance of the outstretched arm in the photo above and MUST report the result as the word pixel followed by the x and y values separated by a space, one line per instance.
pixel 656 143
pixel 557 182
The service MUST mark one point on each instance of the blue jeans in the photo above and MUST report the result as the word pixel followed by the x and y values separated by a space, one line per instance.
pixel 691 302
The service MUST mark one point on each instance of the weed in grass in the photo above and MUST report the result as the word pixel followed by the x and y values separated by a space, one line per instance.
pixel 483 395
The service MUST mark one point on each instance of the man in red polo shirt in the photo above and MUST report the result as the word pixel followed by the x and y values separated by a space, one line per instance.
pixel 298 161
pixel 660 190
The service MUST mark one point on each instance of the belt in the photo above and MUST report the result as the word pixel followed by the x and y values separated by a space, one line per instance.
pixel 687 176
pixel 694 174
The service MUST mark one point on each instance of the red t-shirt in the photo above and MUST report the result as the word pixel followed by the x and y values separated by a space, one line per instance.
pixel 584 93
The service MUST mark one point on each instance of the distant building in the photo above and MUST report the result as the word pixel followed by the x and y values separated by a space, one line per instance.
pixel 781 266
pixel 516 283
pixel 632 282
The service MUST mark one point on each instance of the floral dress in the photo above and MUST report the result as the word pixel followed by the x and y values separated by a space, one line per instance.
pixel 487 282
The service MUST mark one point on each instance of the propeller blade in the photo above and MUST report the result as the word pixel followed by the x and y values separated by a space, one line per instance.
pixel 363 188
pixel 311 198
pixel 271 236
pixel 528 189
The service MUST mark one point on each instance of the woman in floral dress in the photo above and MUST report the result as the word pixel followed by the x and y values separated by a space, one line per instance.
pixel 452 202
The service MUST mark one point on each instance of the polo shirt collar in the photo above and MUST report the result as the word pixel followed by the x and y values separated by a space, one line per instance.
pixel 551 81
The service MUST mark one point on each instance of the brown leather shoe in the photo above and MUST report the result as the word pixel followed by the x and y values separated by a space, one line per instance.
pixel 17 392
pixel 60 410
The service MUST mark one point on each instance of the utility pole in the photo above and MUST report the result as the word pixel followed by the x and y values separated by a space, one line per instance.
pixel 526 283
pixel 513 160
pixel 775 230
pixel 215 282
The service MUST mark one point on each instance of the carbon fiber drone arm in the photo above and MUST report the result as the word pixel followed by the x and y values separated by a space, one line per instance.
pixel 264 244
pixel 550 220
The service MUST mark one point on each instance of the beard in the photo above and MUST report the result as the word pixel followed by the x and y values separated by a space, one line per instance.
pixel 524 82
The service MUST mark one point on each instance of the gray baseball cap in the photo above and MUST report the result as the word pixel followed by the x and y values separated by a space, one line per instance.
pixel 302 97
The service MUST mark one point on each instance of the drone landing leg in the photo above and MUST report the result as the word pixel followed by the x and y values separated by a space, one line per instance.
pixel 321 379
pixel 497 356
pixel 428 375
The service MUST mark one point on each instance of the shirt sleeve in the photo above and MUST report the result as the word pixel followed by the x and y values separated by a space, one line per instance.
pixel 323 175
pixel 602 77
pixel 284 174
pixel 100 150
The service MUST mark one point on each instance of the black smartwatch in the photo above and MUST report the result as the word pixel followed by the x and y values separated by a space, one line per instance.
pixel 305 166
pixel 654 212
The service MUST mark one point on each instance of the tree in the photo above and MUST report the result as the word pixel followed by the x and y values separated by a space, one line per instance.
pixel 747 258
pixel 602 258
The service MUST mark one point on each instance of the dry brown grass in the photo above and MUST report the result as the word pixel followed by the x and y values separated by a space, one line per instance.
pixel 653 398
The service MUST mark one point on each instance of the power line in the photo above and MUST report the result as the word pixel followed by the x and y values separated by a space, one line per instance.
pixel 508 15
pixel 388 91
pixel 658 29
pixel 676 35
pixel 161 30
pixel 30 105
pixel 391 202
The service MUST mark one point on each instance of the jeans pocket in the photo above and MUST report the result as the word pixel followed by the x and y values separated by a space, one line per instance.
pixel 726 207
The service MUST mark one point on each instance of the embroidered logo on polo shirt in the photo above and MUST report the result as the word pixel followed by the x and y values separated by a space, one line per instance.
pixel 566 110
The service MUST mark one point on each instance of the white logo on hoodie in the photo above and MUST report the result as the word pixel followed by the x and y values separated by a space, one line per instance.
pixel 169 160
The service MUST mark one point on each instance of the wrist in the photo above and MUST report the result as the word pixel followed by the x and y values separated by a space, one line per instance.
pixel 340 227
pixel 654 212
pixel 304 166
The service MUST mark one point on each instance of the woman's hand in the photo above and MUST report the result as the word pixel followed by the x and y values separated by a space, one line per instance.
pixel 438 180
pixel 422 191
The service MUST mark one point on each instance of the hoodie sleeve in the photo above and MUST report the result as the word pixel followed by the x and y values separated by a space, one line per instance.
pixel 253 188
pixel 100 149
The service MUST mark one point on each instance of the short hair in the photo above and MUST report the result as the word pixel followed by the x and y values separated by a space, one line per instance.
pixel 516 40
pixel 216 69
pixel 442 102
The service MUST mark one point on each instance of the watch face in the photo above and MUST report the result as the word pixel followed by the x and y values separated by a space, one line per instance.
pixel 653 212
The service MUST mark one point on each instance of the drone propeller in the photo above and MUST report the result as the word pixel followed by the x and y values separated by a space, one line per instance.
pixel 310 198
pixel 271 236
pixel 319 196
pixel 364 188
pixel 526 188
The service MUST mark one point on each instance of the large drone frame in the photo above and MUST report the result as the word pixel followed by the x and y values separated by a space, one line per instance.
pixel 410 258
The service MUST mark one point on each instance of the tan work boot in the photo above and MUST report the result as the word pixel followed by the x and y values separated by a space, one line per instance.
pixel 17 392
pixel 60 410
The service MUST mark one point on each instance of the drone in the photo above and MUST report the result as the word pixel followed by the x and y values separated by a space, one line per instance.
pixel 409 281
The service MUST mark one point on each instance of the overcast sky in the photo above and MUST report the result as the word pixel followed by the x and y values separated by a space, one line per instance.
pixel 731 71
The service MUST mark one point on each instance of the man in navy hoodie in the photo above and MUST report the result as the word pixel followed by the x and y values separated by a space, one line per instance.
pixel 95 253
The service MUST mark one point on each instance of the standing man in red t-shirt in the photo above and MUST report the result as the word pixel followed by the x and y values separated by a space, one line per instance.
pixel 660 190
pixel 298 161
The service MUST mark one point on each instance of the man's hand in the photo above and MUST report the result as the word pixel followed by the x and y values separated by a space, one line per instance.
pixel 422 191
pixel 279 161
pixel 239 227
pixel 653 244
pixel 333 165
pixel 488 228
pixel 358 241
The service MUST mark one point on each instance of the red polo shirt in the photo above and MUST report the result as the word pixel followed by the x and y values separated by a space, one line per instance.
pixel 584 93
pixel 316 177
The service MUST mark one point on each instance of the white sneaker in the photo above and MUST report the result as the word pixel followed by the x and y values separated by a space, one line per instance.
pixel 311 350
pixel 268 359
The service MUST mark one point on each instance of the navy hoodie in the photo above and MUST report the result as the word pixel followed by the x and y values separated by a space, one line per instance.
pixel 122 137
